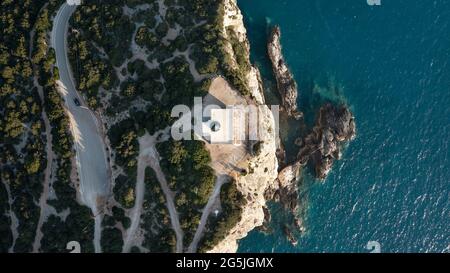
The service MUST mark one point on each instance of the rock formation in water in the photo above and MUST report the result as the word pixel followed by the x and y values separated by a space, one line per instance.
pixel 287 87
pixel 334 126
pixel 285 191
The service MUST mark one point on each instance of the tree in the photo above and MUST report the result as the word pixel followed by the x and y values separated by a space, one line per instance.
pixel 33 165
pixel 178 153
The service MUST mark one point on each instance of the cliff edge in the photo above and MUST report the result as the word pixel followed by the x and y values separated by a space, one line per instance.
pixel 264 164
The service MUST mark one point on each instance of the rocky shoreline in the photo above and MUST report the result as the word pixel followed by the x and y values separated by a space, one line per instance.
pixel 287 87
pixel 320 148
pixel 334 127
pixel 264 164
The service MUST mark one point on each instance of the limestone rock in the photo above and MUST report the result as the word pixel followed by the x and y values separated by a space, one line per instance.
pixel 335 126
pixel 287 87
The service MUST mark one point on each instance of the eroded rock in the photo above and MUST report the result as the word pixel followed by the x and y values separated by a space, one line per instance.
pixel 287 87
pixel 334 126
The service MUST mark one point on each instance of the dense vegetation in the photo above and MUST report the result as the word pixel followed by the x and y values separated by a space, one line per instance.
pixel 218 227
pixel 156 219
pixel 22 153
pixel 237 75
pixel 145 81
pixel 24 56
pixel 187 167
pixel 6 237
pixel 112 237
pixel 131 66
pixel 123 138
pixel 112 240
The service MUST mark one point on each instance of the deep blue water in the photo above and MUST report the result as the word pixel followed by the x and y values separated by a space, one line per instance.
pixel 393 183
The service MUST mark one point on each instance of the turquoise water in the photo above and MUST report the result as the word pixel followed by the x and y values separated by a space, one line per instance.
pixel 392 61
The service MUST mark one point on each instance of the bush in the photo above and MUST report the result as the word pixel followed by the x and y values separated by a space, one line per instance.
pixel 232 202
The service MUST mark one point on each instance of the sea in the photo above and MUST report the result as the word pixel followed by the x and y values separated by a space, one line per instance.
pixel 390 64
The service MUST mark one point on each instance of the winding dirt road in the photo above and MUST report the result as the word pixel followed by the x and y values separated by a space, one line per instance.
pixel 149 156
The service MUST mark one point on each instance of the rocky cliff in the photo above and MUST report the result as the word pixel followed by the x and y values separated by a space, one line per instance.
pixel 335 125
pixel 321 147
pixel 264 164
pixel 287 87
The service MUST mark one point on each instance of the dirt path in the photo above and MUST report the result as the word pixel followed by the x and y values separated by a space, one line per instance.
pixel 12 215
pixel 206 212
pixel 47 174
pixel 49 151
pixel 169 199
pixel 136 211
pixel 148 156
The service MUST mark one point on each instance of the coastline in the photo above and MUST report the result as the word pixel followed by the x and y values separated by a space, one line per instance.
pixel 271 177
pixel 265 165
